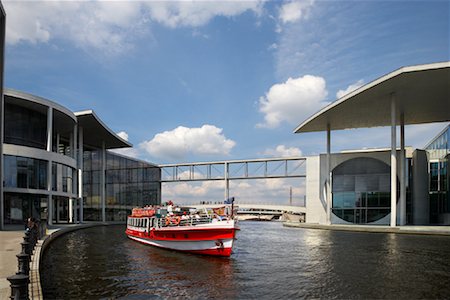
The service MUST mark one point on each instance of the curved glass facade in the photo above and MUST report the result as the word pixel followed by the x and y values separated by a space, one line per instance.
pixel 23 172
pixel 63 178
pixel 25 127
pixel 361 190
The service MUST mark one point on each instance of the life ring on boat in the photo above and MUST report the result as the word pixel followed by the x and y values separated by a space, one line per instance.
pixel 167 221
pixel 176 220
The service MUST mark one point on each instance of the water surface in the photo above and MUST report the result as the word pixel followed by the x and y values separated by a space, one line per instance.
pixel 269 261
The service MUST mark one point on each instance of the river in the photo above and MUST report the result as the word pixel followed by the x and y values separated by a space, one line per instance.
pixel 269 261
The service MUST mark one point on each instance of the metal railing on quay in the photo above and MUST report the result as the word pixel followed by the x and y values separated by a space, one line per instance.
pixel 19 282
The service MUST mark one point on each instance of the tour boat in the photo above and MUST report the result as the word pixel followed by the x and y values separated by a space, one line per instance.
pixel 208 231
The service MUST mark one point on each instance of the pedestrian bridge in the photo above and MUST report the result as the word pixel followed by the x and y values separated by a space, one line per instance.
pixel 263 208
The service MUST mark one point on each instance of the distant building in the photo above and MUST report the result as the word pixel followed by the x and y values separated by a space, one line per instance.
pixel 57 166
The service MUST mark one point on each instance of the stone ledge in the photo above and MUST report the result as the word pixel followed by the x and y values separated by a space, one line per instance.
pixel 408 229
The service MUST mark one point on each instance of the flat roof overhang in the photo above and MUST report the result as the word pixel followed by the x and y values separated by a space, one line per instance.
pixel 95 132
pixel 421 93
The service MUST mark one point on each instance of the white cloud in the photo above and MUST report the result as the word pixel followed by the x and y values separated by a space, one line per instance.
pixel 283 151
pixel 350 89
pixel 198 13
pixel 294 11
pixel 106 26
pixel 182 141
pixel 292 101
pixel 109 26
pixel 123 135
pixel 264 191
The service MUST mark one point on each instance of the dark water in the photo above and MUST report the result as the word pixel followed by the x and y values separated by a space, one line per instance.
pixel 270 262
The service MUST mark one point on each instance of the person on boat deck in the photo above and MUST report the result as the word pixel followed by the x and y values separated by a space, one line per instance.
pixel 216 218
pixel 184 216
pixel 170 209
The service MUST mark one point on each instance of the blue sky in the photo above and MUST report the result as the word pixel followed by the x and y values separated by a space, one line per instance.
pixel 218 80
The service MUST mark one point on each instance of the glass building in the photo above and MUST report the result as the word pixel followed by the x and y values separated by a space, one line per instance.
pixel 438 151
pixel 57 166
pixel 129 183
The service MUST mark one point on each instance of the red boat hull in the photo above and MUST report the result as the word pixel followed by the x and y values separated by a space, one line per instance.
pixel 207 240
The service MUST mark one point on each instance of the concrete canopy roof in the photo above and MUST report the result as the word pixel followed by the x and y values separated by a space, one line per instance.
pixel 422 94
pixel 95 132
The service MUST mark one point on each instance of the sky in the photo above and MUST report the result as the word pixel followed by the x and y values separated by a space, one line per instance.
pixel 190 81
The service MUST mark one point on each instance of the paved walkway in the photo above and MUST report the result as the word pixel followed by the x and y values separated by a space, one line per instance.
pixel 408 229
pixel 10 240
pixel 10 246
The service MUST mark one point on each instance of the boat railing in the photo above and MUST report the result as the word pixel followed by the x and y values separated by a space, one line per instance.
pixel 190 221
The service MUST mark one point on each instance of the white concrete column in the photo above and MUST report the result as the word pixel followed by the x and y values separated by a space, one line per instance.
pixel 328 182
pixel 402 208
pixel 49 129
pixel 393 163
pixel 70 210
pixel 103 182
pixel 49 168
pixel 80 171
pixel 75 174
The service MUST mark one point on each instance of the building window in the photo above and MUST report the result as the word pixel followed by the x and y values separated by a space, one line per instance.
pixel 24 172
pixel 25 127
pixel 361 190
pixel 63 178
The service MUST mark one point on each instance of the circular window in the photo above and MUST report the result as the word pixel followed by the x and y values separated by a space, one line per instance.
pixel 361 190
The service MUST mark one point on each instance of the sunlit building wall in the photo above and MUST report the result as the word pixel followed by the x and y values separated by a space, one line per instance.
pixel 45 177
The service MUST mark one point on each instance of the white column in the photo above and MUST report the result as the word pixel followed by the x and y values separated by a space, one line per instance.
pixel 70 210
pixel 102 182
pixel 80 172
pixel 393 163
pixel 328 182
pixel 75 174
pixel 402 172
pixel 49 128
pixel 49 169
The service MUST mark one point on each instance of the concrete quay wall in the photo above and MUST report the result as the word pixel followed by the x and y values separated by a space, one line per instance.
pixel 425 230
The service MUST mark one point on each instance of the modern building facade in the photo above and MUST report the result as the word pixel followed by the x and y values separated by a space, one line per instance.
pixel 58 167
pixel 397 186
pixel 361 190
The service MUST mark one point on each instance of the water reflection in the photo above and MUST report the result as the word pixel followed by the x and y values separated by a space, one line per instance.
pixel 269 261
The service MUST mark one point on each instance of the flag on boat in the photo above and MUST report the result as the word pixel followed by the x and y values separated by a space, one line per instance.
pixel 229 201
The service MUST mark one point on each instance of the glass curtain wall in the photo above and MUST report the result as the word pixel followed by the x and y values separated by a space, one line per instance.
pixel 128 183
pixel 438 153
pixel 25 127
pixel 19 207
pixel 23 172
pixel 361 190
